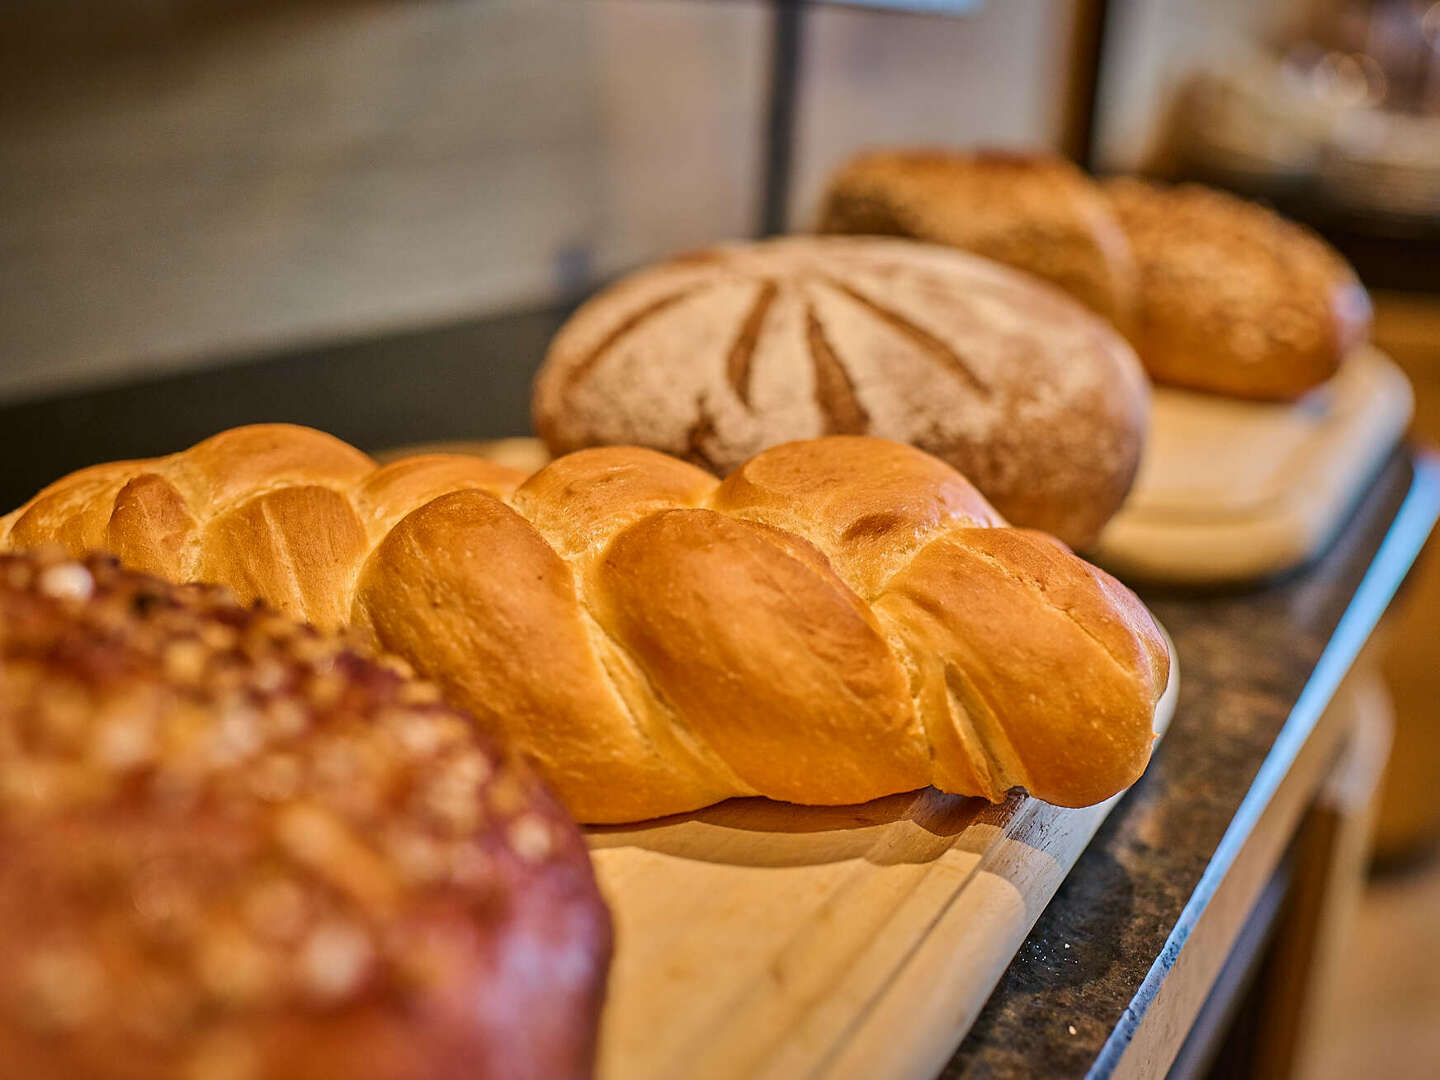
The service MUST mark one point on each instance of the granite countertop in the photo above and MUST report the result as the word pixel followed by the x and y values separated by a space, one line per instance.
pixel 1254 663
pixel 1250 666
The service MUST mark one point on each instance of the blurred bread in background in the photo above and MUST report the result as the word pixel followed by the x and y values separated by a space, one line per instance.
pixel 1033 211
pixel 1216 293
pixel 1235 299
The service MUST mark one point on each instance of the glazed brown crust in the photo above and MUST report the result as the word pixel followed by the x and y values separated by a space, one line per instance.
pixel 841 619
pixel 1033 211
pixel 718 355
pixel 232 847
pixel 1234 299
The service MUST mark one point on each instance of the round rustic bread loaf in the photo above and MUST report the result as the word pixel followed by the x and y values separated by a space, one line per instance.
pixel 1035 212
pixel 232 848
pixel 1235 299
pixel 717 355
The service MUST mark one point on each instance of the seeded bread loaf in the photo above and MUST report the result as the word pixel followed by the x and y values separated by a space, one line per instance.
pixel 232 848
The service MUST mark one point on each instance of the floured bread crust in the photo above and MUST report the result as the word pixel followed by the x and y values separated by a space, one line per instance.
pixel 717 355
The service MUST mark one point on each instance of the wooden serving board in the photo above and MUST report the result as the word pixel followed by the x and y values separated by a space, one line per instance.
pixel 762 940
pixel 521 452
pixel 1233 490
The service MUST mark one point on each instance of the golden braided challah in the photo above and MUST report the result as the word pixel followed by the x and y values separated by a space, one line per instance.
pixel 838 620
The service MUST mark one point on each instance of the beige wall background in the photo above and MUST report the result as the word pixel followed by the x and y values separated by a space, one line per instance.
pixel 338 169
pixel 998 75
pixel 200 179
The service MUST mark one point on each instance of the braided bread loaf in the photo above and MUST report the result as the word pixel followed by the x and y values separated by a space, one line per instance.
pixel 840 619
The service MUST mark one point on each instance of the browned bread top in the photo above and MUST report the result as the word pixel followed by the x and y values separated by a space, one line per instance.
pixel 1235 299
pixel 717 355
pixel 841 619
pixel 232 847
pixel 1034 211
pixel 1217 293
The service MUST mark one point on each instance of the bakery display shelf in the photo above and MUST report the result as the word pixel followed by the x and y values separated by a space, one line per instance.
pixel 1259 665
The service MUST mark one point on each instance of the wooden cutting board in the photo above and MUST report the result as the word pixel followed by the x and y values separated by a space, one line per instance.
pixel 1233 490
pixel 762 940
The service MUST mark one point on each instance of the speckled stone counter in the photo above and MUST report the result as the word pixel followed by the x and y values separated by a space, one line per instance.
pixel 1071 998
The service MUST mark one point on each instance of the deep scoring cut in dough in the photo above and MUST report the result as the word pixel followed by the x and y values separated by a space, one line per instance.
pixel 716 355
pixel 840 619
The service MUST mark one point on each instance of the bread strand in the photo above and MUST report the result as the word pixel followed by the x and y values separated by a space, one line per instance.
pixel 841 619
